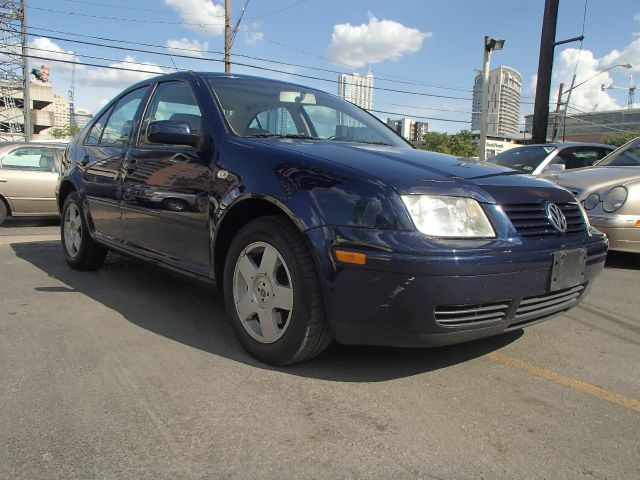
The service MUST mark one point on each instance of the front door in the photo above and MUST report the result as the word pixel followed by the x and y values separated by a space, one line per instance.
pixel 165 194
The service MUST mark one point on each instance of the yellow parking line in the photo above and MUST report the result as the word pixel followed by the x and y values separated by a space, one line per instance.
pixel 572 383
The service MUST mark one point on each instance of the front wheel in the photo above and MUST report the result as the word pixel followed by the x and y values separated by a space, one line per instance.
pixel 80 250
pixel 3 212
pixel 272 293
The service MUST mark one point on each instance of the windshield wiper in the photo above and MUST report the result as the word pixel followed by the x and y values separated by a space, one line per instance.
pixel 281 135
pixel 372 142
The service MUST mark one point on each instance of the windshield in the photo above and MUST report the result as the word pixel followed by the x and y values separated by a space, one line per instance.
pixel 257 108
pixel 624 156
pixel 525 159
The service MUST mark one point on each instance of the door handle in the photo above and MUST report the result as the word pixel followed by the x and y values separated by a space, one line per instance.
pixel 4 180
pixel 85 161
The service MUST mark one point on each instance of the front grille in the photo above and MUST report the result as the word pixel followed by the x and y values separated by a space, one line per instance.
pixel 533 309
pixel 530 219
pixel 460 315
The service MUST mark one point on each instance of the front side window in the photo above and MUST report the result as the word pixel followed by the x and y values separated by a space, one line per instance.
pixel 120 123
pixel 172 101
pixel 263 108
pixel 33 159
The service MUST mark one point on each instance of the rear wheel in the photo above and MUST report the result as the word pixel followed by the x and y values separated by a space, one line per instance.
pixel 272 293
pixel 80 250
pixel 3 211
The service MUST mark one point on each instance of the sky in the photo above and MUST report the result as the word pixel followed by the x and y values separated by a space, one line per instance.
pixel 427 49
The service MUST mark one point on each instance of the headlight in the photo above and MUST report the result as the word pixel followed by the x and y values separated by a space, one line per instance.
pixel 613 200
pixel 441 216
pixel 591 201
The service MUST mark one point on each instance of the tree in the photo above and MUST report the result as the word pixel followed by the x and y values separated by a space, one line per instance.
pixel 68 132
pixel 459 144
pixel 619 139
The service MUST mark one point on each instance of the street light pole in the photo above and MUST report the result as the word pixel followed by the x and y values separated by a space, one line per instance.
pixel 488 45
pixel 227 36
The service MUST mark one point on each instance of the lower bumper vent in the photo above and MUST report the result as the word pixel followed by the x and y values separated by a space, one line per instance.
pixel 533 309
pixel 460 315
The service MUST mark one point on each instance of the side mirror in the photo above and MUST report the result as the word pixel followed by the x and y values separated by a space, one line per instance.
pixel 171 132
pixel 555 167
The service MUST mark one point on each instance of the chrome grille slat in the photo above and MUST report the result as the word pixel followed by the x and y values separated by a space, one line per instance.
pixel 460 315
pixel 542 306
pixel 530 219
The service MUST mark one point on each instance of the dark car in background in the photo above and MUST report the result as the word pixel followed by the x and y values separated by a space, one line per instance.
pixel 28 177
pixel 317 221
pixel 539 158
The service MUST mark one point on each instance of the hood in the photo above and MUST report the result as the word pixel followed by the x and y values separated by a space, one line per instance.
pixel 593 179
pixel 419 171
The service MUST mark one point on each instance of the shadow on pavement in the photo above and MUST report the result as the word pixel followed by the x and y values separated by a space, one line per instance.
pixel 624 260
pixel 20 222
pixel 192 313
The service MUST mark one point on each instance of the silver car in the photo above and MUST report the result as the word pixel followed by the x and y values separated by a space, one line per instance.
pixel 28 176
pixel 548 157
pixel 610 193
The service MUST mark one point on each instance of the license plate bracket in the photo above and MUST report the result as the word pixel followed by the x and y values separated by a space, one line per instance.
pixel 568 268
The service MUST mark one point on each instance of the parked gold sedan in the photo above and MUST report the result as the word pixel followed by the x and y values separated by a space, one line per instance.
pixel 28 176
pixel 610 193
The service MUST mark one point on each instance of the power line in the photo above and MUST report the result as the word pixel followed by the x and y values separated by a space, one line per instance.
pixel 311 77
pixel 155 72
pixel 279 10
pixel 121 19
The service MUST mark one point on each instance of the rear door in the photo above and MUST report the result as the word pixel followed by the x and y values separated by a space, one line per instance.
pixel 105 148
pixel 28 176
pixel 165 195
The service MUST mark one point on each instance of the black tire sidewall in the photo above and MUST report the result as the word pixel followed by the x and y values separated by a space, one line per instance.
pixel 84 239
pixel 4 212
pixel 286 347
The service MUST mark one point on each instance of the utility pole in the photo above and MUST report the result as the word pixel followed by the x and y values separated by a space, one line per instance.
pixel 556 118
pixel 227 36
pixel 488 45
pixel 25 68
pixel 545 66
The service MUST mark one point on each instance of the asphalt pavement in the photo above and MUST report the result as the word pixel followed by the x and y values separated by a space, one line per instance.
pixel 133 372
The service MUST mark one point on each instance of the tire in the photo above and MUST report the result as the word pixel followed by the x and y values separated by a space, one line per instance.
pixel 279 291
pixel 80 250
pixel 3 211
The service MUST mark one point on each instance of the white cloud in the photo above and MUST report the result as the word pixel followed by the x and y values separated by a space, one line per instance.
pixel 588 95
pixel 200 16
pixel 253 34
pixel 44 47
pixel 379 40
pixel 630 54
pixel 115 78
pixel 192 48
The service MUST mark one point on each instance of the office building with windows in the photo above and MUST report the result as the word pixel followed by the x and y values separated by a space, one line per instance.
pixel 503 109
pixel 409 129
pixel 357 89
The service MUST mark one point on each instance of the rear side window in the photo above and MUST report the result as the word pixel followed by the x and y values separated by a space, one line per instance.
pixel 120 122
pixel 34 159
pixel 96 131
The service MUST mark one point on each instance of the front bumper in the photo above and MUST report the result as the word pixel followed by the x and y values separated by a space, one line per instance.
pixel 449 295
pixel 623 234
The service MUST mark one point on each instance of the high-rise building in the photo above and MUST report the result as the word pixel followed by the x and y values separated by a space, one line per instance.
pixel 61 112
pixel 503 112
pixel 410 130
pixel 357 89
pixel 82 116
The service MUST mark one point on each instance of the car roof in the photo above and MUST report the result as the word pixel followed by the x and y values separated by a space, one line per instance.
pixel 204 75
pixel 570 144
pixel 33 144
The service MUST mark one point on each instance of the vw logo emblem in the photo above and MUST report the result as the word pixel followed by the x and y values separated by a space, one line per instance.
pixel 556 217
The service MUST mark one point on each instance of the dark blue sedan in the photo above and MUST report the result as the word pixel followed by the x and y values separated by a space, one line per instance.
pixel 318 221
